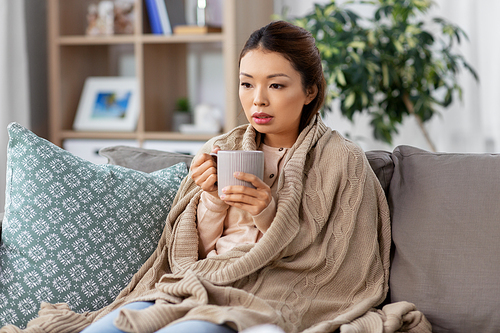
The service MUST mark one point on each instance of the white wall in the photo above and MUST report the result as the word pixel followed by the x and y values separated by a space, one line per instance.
pixel 14 85
pixel 472 125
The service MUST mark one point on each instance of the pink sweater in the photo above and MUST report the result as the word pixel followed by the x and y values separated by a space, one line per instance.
pixel 221 227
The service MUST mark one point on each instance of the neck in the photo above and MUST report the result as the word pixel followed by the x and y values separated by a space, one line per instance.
pixel 278 141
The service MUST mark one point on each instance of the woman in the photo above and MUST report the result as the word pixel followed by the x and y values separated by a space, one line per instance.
pixel 310 248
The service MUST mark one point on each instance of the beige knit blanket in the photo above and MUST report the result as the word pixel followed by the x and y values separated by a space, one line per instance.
pixel 323 263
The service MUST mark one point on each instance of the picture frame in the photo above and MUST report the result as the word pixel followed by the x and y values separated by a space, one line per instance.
pixel 108 104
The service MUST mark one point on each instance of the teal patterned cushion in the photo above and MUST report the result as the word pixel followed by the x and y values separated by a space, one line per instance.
pixel 74 231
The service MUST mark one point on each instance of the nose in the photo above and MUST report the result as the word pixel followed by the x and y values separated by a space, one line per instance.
pixel 260 97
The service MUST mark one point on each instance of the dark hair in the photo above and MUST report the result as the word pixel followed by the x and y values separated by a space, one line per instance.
pixel 299 47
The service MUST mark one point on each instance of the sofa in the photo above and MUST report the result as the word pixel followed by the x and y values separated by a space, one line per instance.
pixel 445 213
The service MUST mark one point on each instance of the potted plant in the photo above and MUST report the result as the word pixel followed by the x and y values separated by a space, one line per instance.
pixel 182 113
pixel 395 64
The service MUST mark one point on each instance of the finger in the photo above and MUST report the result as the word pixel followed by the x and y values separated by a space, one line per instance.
pixel 200 160
pixel 202 172
pixel 240 190
pixel 246 195
pixel 251 205
pixel 252 179
pixel 198 169
pixel 205 172
pixel 210 183
pixel 207 183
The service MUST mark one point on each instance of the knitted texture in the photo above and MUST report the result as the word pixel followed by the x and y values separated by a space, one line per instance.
pixel 323 262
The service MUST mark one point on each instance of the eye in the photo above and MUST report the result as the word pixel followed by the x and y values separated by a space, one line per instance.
pixel 276 86
pixel 245 84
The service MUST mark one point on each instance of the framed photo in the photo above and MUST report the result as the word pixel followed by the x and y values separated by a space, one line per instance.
pixel 108 104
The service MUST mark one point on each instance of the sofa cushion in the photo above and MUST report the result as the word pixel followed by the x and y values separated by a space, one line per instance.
pixel 142 159
pixel 445 226
pixel 149 160
pixel 74 231
pixel 383 166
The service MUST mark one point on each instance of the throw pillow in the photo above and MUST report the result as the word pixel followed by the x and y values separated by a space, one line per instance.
pixel 445 211
pixel 74 231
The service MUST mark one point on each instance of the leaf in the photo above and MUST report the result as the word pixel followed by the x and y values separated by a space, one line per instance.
pixel 422 4
pixel 355 57
pixel 412 30
pixel 352 16
pixel 329 9
pixel 448 98
pixel 398 46
pixel 364 100
pixel 385 75
pixel 471 70
pixel 341 78
pixel 357 44
pixel 371 37
pixel 349 101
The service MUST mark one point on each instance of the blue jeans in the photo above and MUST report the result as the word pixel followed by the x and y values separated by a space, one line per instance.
pixel 105 324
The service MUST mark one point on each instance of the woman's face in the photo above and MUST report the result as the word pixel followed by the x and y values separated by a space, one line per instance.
pixel 272 96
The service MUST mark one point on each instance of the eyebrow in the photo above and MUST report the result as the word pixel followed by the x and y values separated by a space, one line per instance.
pixel 269 76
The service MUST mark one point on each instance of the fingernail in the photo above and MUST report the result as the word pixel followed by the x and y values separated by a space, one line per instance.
pixel 236 174
pixel 224 190
pixel 222 197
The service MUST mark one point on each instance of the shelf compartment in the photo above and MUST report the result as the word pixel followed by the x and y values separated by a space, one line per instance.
pixel 78 63
pixel 72 16
pixel 165 81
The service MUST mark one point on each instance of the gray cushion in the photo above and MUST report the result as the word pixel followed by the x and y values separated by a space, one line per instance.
pixel 383 166
pixel 445 222
pixel 141 159
pixel 149 160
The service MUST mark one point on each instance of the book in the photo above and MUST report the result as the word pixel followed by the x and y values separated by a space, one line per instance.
pixel 164 19
pixel 195 29
pixel 176 12
pixel 154 17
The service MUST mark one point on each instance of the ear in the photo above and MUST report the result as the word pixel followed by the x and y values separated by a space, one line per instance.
pixel 311 94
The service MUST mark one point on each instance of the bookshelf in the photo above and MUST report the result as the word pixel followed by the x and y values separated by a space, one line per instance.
pixel 160 64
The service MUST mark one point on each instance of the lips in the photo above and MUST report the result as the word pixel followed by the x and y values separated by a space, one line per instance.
pixel 261 118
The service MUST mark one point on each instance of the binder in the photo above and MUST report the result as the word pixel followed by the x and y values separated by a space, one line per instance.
pixel 176 13
pixel 154 17
pixel 164 19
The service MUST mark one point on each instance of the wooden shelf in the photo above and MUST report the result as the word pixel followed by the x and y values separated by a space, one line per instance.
pixel 145 39
pixel 207 38
pixel 87 40
pixel 97 135
pixel 134 135
pixel 160 63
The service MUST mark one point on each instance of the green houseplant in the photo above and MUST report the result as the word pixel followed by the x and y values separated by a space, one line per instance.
pixel 395 64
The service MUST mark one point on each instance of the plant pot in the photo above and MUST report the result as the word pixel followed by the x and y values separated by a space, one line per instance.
pixel 180 118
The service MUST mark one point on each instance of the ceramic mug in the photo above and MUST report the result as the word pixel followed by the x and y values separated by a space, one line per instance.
pixel 231 161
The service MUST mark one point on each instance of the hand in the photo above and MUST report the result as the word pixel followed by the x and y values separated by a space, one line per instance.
pixel 251 200
pixel 204 172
